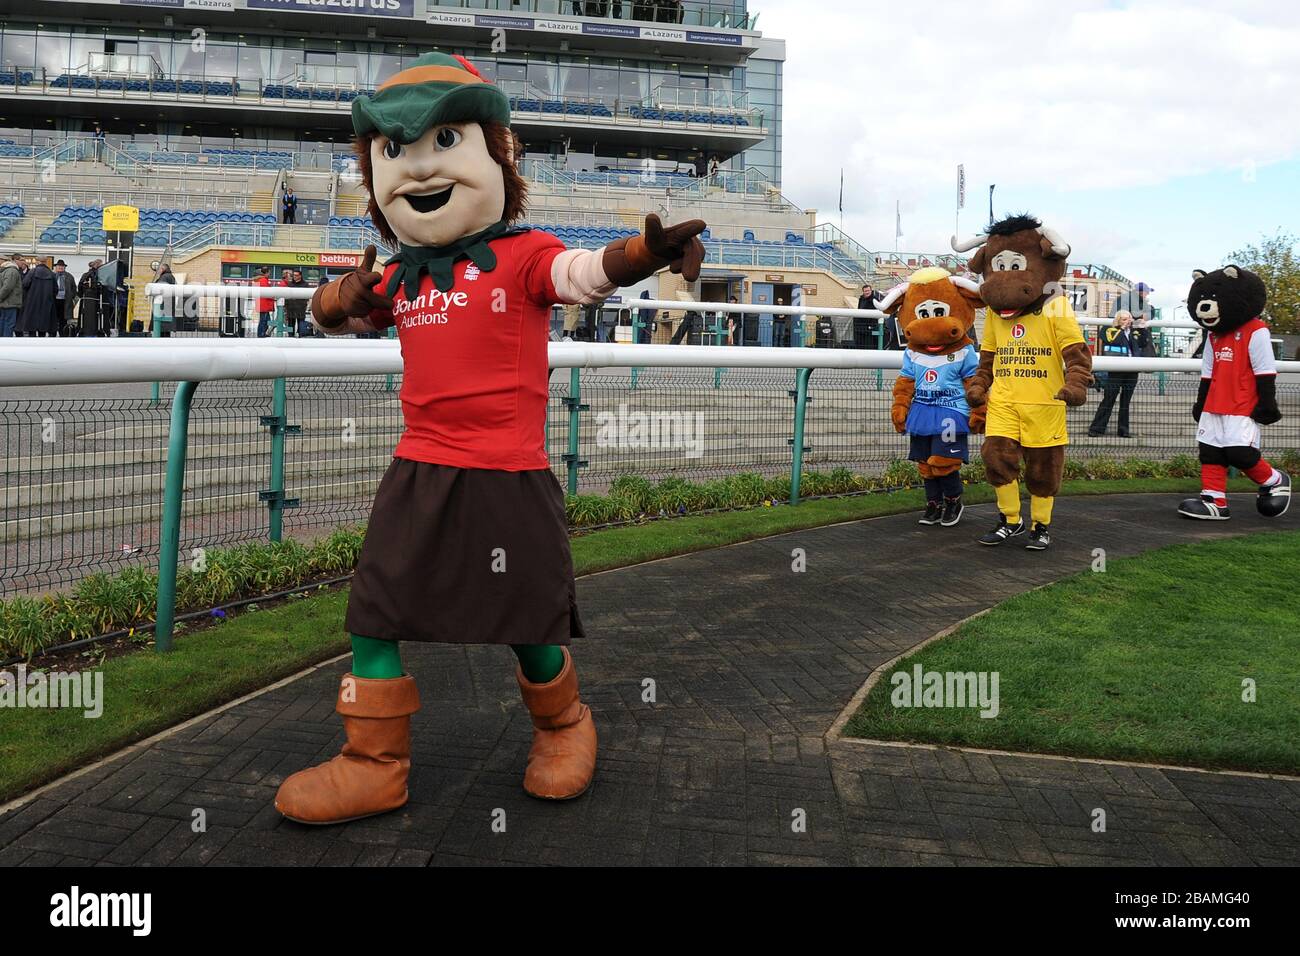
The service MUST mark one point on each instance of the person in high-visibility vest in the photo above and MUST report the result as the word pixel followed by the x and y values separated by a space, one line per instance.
pixel 1116 342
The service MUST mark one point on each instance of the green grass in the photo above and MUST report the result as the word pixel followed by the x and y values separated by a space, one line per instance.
pixel 146 692
pixel 1142 662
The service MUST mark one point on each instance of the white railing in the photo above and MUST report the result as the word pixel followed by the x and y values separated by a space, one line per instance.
pixel 82 362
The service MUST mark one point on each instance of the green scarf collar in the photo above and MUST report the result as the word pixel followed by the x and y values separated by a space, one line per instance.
pixel 413 261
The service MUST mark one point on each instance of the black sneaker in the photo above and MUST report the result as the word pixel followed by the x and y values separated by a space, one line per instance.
pixel 1273 500
pixel 1204 509
pixel 952 511
pixel 1003 531
pixel 1039 539
pixel 1095 434
pixel 933 512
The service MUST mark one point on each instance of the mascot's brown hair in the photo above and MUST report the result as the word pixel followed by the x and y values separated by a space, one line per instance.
pixel 1033 363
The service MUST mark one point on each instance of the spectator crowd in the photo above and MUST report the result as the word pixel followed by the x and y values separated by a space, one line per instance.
pixel 39 301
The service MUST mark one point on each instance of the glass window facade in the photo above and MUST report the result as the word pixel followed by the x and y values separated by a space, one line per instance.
pixel 262 59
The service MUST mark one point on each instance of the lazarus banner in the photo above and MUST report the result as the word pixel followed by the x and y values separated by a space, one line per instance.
pixel 368 8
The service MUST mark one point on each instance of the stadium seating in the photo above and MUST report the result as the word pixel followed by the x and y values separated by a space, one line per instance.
pixel 523 104
pixel 8 78
pixel 157 226
pixel 244 158
pixel 792 252
pixel 9 214
pixel 79 81
pixel 287 91
pixel 685 116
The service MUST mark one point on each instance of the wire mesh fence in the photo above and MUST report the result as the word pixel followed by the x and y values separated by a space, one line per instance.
pixel 83 476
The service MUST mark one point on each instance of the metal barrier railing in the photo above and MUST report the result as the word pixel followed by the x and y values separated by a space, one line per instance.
pixel 103 471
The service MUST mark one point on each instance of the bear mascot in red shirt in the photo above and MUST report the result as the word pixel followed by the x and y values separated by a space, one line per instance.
pixel 1238 392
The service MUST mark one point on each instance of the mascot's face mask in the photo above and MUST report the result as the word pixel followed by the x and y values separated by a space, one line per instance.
pixel 440 188
pixel 1226 299
pixel 1021 262
pixel 935 310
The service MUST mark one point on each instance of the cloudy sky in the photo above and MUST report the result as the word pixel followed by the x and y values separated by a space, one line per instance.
pixel 1157 136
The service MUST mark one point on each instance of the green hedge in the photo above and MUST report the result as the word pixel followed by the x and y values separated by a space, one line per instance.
pixel 102 603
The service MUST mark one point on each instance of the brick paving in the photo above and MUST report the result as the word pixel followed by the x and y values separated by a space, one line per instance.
pixel 751 665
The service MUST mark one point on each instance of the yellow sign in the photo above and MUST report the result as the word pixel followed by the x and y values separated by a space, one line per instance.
pixel 121 219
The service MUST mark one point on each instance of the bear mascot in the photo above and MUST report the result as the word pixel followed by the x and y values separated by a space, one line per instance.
pixel 467 541
pixel 1033 363
pixel 935 312
pixel 1237 394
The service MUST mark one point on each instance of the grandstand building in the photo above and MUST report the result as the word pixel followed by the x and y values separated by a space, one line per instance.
pixel 209 109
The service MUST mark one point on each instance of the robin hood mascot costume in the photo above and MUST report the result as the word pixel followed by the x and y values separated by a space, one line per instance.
pixel 467 542
pixel 1033 363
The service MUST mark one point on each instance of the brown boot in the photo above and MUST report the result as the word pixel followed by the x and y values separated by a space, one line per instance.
pixel 369 776
pixel 562 760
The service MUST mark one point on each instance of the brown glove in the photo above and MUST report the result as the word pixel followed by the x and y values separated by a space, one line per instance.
pixel 1078 374
pixel 977 389
pixel 904 391
pixel 351 296
pixel 628 261
pixel 978 415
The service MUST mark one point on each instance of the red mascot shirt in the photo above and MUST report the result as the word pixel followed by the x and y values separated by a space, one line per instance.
pixel 474 385
pixel 1231 361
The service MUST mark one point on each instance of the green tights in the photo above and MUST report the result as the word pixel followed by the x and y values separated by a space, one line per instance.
pixel 376 659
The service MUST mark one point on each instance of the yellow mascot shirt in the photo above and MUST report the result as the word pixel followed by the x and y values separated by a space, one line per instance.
pixel 1027 368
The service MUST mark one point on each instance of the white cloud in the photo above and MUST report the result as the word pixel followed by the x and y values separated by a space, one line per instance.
pixel 1075 95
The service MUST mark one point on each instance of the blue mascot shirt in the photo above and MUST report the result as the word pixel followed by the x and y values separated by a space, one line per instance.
pixel 940 394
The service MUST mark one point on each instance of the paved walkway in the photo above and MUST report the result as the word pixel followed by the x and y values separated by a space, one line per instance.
pixel 752 665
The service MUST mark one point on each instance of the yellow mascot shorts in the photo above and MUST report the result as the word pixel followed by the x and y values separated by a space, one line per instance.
pixel 1034 426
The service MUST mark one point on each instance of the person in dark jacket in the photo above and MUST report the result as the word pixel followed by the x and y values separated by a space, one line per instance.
pixel 36 319
pixel 166 310
pixel 1137 303
pixel 11 294
pixel 290 204
pixel 88 300
pixel 65 300
pixel 295 310
pixel 1116 342
pixel 866 331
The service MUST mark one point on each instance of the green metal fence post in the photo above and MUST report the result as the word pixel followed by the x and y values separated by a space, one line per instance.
pixel 173 494
pixel 156 331
pixel 388 379
pixel 880 344
pixel 278 422
pixel 800 414
pixel 573 402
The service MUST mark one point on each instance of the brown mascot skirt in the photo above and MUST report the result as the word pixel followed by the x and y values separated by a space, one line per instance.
pixel 465 556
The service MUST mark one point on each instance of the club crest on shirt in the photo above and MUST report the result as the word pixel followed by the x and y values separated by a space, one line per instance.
pixel 1223 355
pixel 471 273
